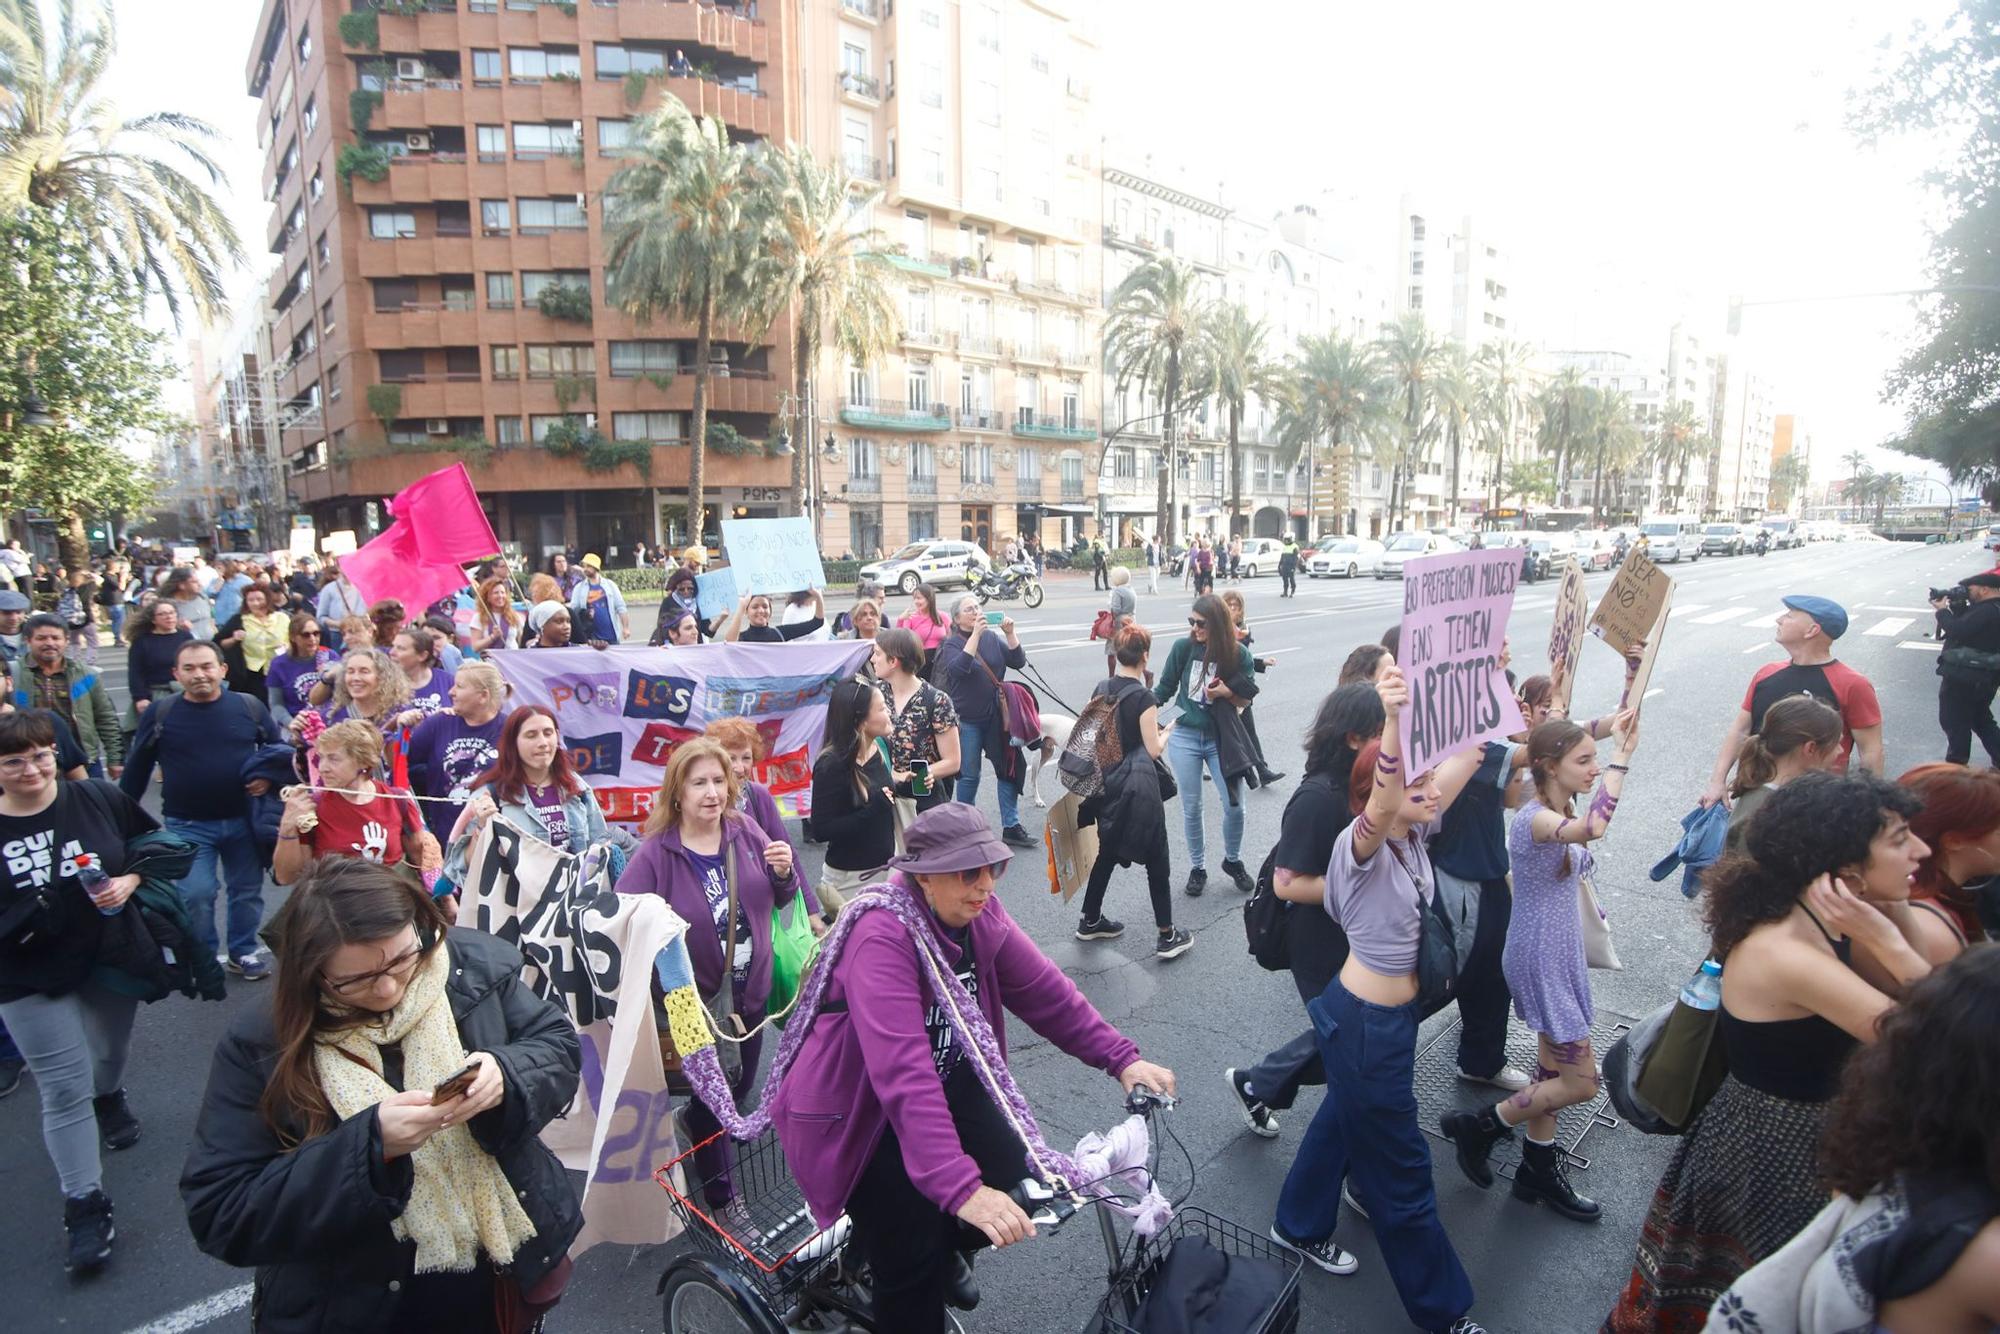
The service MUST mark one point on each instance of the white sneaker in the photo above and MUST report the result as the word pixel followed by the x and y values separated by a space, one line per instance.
pixel 1506 1077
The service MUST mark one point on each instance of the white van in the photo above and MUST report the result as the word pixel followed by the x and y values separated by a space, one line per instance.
pixel 1668 540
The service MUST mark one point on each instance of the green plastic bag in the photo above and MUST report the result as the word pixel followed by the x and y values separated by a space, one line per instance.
pixel 792 947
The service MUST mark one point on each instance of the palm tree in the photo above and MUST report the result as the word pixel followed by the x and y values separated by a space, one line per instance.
pixel 1156 337
pixel 832 275
pixel 1242 371
pixel 1677 441
pixel 1411 354
pixel 1503 368
pixel 1461 406
pixel 1559 412
pixel 680 236
pixel 1338 393
pixel 1610 435
pixel 137 190
pixel 1887 486
pixel 1790 476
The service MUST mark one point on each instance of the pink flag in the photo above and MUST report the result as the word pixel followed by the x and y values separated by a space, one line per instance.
pixel 446 525
pixel 392 566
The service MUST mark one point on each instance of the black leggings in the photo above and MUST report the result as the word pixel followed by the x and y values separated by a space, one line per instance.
pixel 906 1239
pixel 1156 886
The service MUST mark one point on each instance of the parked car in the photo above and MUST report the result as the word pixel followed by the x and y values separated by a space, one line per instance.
pixel 1596 551
pixel 1723 539
pixel 1785 532
pixel 937 562
pixel 1404 546
pixel 1260 555
pixel 1992 542
pixel 1669 541
pixel 1344 558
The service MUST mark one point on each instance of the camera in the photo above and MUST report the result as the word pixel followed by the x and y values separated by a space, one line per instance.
pixel 1955 595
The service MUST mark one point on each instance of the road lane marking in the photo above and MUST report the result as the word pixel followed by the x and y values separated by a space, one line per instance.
pixel 1763 621
pixel 1656 690
pixel 204 1312
pixel 1761 646
pixel 1876 606
pixel 1889 626
pixel 1718 617
pixel 1922 645
pixel 1687 610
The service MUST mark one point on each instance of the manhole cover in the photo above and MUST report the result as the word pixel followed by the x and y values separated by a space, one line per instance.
pixel 1440 1090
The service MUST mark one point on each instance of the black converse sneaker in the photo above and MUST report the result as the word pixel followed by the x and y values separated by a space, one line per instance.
pixel 1260 1118
pixel 1099 928
pixel 1326 1254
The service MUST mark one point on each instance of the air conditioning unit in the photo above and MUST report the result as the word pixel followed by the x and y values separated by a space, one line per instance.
pixel 576 128
pixel 437 426
pixel 417 142
pixel 409 67
pixel 582 202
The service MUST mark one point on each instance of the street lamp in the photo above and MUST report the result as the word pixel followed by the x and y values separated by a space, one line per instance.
pixel 1104 452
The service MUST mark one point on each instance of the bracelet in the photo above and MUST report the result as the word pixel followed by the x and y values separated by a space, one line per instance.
pixel 1619 768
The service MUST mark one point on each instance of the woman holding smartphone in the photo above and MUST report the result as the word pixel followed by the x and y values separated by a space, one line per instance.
pixel 923 725
pixel 854 793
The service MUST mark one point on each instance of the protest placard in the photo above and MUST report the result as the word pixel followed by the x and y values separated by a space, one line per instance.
pixel 186 554
pixel 773 555
pixel 303 540
pixel 715 593
pixel 1635 689
pixel 1632 604
pixel 339 543
pixel 1566 632
pixel 1455 609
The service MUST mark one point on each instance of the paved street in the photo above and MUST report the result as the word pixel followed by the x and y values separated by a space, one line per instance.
pixel 1210 1009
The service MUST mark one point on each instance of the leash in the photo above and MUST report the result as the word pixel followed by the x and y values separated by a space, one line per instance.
pixel 1034 674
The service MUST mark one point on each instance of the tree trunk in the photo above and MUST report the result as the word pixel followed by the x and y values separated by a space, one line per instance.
pixel 698 444
pixel 1235 470
pixel 1451 505
pixel 802 445
pixel 1164 517
pixel 1597 489
pixel 72 543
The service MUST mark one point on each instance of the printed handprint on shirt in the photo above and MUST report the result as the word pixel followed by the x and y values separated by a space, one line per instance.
pixel 374 842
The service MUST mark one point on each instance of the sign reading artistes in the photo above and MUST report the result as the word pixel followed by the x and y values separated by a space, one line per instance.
pixel 1455 610
pixel 623 710
pixel 773 555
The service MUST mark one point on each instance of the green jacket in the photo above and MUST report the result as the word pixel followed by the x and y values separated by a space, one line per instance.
pixel 1175 681
pixel 96 721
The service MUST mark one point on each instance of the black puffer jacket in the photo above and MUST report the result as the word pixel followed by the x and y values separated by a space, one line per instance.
pixel 315 1221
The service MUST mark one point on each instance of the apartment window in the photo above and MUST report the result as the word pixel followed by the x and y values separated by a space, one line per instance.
pixel 864 459
pixel 548 360
pixel 1028 464
pixel 1028 328
pixel 499 291
pixel 494 217
pixel 854 59
pixel 975 464
pixel 400 365
pixel 506 362
pixel 923 461
pixel 388 224
pixel 923 524
pixel 534 63
pixel 1027 399
pixel 989 182
pixel 1124 463
pixel 326 319
pixel 486 70
pixel 917 233
pixel 986 101
pixel 859 389
pixel 917 386
pixel 656 427
pixel 1027 259
pixel 652 356
pixel 615 62
pixel 507 431
pixel 1416 266
pixel 1070 467
pixel 1072 403
pixel 930 18
pixel 1416 228
pixel 395 293
pixel 305 44
pixel 540 426
pixel 492 140
pixel 311 115
pixel 930 166
pixel 613 135
pixel 917 310
pixel 322 252
pixel 986 27
pixel 544 215
pixel 536 141
pixel 533 283
pixel 332 382
pixel 1416 298
pixel 930 83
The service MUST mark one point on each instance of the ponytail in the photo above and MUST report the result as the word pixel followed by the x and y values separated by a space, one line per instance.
pixel 1755 766
pixel 1789 724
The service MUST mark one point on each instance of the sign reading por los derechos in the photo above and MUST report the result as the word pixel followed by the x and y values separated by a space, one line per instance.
pixel 773 555
pixel 1455 610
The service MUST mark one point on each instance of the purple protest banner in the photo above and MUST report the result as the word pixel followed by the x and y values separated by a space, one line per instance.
pixel 1455 610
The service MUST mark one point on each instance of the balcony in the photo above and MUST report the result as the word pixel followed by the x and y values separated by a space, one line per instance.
pixel 932 338
pixel 870 485
pixel 923 486
pixel 980 419
pixel 981 345
pixel 1043 287
pixel 864 88
pixel 1068 428
pixel 862 167
pixel 1072 488
pixel 862 9
pixel 934 267
pixel 895 415
pixel 1028 488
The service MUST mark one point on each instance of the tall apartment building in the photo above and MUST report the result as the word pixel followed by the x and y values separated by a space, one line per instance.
pixel 1743 448
pixel 1645 488
pixel 975 121
pixel 238 484
pixel 1790 435
pixel 461 295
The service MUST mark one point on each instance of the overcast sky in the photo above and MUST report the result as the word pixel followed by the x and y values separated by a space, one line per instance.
pixel 1639 163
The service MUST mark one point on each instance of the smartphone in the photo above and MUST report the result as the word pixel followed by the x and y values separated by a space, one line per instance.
pixel 458 1083
pixel 920 780
pixel 995 617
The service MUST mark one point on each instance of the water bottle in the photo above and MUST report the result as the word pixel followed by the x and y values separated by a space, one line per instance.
pixel 90 874
pixel 1704 989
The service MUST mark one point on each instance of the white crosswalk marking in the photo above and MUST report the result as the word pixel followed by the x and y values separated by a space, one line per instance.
pixel 1771 619
pixel 1718 617
pixel 1922 645
pixel 1889 626
pixel 1687 610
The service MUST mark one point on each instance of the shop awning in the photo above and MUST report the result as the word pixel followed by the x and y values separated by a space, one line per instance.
pixel 1062 509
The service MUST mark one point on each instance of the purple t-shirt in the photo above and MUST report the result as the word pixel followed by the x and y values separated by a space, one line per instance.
pixel 446 754
pixel 547 804
pixel 293 678
pixel 434 696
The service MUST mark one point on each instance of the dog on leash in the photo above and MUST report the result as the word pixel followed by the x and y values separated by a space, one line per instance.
pixel 1056 727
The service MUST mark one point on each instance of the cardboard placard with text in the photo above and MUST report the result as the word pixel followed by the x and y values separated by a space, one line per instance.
pixel 1455 610
pixel 340 543
pixel 1566 632
pixel 1635 689
pixel 773 555
pixel 1632 604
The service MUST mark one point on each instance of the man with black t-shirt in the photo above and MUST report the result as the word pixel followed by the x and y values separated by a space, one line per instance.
pixel 1969 677
pixel 1806 631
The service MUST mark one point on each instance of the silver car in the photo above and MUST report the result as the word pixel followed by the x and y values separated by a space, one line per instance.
pixel 1404 546
pixel 1344 558
pixel 937 562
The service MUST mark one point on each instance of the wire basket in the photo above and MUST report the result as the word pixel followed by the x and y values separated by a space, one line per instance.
pixel 1141 1268
pixel 765 1229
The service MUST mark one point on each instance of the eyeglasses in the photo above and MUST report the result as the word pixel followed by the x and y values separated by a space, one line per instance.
pixel 308 634
pixel 34 759
pixel 399 968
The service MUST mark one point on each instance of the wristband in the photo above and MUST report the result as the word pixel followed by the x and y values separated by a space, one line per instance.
pixel 1619 768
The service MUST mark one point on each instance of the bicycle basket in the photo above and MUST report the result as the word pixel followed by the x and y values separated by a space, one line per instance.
pixel 765 1231
pixel 1145 1259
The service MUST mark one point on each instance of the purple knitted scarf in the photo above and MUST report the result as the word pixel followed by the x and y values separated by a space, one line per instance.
pixel 901 898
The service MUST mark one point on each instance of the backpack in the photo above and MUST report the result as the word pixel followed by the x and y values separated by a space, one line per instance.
pixel 74 611
pixel 1267 920
pixel 1094 746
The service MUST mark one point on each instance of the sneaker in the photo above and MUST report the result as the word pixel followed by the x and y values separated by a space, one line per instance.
pixel 1239 874
pixel 251 968
pixel 1465 1324
pixel 1018 837
pixel 1347 1197
pixel 10 1076
pixel 1197 883
pixel 1259 1117
pixel 1506 1077
pixel 116 1126
pixel 1174 944
pixel 88 1223
pixel 1102 928
pixel 1326 1254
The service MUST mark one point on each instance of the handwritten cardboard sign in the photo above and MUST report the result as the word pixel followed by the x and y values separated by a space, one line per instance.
pixel 1566 633
pixel 1635 689
pixel 339 543
pixel 1455 610
pixel 715 593
pixel 1632 604
pixel 773 555
pixel 302 541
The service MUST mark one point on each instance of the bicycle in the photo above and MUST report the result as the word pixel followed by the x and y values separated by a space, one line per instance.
pixel 764 1266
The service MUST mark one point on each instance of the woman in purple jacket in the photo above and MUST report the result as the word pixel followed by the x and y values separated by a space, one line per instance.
pixel 696 843
pixel 884 1115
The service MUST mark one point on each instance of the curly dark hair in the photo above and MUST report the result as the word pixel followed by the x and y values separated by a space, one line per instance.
pixel 1812 826
pixel 1351 710
pixel 1920 1098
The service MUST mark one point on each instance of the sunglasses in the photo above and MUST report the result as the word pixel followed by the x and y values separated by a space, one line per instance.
pixel 970 876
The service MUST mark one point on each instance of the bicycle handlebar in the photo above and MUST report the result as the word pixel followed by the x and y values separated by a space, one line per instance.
pixel 1041 1204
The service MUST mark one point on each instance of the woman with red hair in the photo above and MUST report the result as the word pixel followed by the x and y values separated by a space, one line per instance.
pixel 534 787
pixel 1961 823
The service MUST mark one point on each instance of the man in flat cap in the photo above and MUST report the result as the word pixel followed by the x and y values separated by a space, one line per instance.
pixel 1969 669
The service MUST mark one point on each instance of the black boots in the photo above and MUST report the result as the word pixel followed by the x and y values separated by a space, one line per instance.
pixel 88 1222
pixel 1475 1134
pixel 1543 1177
pixel 117 1128
pixel 961 1290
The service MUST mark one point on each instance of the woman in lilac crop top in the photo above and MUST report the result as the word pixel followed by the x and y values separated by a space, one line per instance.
pixel 1377 881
